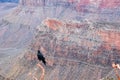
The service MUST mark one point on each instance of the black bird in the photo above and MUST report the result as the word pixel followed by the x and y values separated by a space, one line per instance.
pixel 41 57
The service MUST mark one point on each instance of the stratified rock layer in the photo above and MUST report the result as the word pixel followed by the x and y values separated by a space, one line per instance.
pixel 75 51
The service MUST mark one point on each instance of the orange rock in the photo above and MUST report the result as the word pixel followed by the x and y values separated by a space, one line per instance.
pixel 111 38
pixel 53 24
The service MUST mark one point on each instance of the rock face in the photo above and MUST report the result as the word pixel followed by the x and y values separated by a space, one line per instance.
pixel 32 12
pixel 78 41
pixel 77 4
pixel 32 2
pixel 76 51
pixel 14 35
pixel 73 51
pixel 110 4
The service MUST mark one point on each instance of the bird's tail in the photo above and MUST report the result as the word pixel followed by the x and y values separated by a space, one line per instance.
pixel 44 62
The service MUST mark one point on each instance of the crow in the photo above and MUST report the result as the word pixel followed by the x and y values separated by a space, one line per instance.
pixel 41 57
